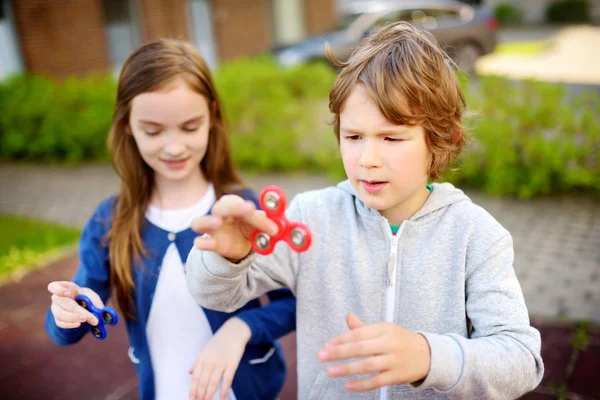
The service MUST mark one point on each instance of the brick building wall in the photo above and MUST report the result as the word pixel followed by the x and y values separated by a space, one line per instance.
pixel 68 37
pixel 320 16
pixel 164 19
pixel 61 37
pixel 241 27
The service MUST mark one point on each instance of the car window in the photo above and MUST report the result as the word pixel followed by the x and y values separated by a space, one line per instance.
pixel 431 18
pixel 347 20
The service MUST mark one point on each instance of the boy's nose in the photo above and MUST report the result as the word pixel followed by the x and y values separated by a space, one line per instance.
pixel 370 157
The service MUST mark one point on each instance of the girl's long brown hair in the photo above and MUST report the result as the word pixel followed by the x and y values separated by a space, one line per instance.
pixel 149 68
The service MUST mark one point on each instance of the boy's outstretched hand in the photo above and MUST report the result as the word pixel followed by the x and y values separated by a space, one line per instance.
pixel 390 353
pixel 229 226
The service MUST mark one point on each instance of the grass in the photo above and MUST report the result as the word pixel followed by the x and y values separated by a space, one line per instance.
pixel 25 242
pixel 530 48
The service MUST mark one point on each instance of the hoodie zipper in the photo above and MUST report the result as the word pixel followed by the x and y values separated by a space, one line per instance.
pixel 391 265
pixel 390 291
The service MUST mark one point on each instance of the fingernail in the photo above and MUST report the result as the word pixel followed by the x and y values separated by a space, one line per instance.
pixel 67 294
pixel 82 318
pixel 323 354
pixel 94 321
pixel 273 230
pixel 333 370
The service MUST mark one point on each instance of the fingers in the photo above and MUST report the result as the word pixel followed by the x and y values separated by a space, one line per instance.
pixel 68 314
pixel 213 382
pixel 232 206
pixel 345 351
pixel 363 333
pixel 93 296
pixel 63 288
pixel 227 382
pixel 371 383
pixel 235 206
pixel 259 220
pixel 202 381
pixel 365 366
pixel 353 321
pixel 196 373
pixel 207 224
pixel 205 242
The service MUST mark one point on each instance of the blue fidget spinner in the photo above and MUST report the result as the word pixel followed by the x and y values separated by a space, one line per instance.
pixel 104 316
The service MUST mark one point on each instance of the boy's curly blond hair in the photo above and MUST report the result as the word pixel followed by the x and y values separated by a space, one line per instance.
pixel 412 80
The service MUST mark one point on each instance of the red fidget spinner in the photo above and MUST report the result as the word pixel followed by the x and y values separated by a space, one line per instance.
pixel 296 234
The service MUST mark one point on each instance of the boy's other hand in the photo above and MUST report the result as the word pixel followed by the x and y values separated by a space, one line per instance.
pixel 391 353
pixel 67 313
pixel 229 227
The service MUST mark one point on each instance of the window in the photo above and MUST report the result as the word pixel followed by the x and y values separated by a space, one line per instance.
pixel 121 31
pixel 10 56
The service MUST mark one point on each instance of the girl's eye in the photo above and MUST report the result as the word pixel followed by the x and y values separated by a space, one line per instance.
pixel 190 128
pixel 393 140
pixel 353 137
pixel 150 132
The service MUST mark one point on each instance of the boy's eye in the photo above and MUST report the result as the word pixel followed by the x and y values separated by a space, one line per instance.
pixel 352 137
pixel 393 140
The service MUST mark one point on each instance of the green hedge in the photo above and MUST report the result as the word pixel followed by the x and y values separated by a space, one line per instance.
pixel 41 119
pixel 278 116
pixel 529 138
pixel 508 14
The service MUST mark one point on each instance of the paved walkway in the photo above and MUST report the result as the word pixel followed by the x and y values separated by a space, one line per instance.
pixel 557 240
pixel 572 57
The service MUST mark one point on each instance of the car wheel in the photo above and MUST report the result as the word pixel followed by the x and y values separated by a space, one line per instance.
pixel 466 55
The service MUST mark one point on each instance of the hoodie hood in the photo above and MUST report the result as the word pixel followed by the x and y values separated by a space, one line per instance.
pixel 443 195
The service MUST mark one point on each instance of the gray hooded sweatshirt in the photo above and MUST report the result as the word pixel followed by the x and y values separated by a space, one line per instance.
pixel 453 261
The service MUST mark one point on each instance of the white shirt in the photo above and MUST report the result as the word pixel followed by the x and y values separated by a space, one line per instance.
pixel 177 328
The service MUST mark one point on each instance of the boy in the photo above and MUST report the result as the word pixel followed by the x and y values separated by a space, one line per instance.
pixel 408 290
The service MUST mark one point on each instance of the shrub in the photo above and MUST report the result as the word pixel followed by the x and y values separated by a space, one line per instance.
pixel 277 115
pixel 41 119
pixel 507 14
pixel 530 138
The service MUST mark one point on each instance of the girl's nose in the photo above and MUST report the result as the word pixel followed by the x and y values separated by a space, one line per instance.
pixel 174 148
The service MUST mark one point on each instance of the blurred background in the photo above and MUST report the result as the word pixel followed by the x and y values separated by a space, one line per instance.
pixel 530 71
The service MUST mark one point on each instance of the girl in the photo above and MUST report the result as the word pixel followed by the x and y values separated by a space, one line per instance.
pixel 170 146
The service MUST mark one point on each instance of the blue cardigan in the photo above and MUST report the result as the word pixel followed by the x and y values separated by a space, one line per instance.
pixel 268 323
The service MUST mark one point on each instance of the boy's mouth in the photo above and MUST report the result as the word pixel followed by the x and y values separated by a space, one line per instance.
pixel 373 186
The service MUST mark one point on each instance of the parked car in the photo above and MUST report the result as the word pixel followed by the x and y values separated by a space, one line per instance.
pixel 466 32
